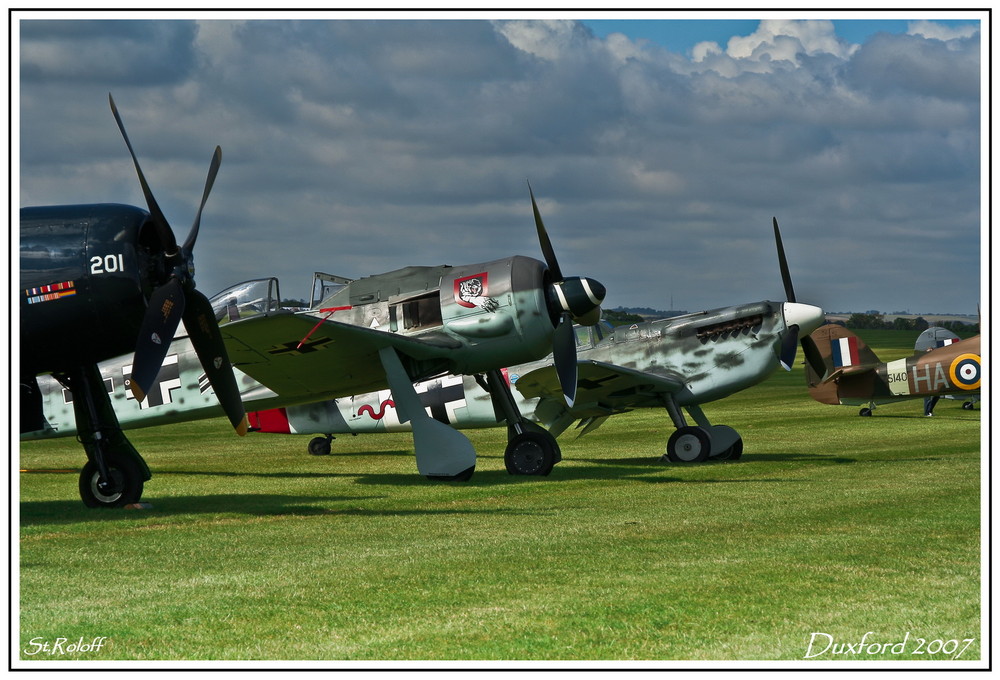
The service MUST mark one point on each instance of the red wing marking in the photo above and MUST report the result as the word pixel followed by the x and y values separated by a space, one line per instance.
pixel 331 310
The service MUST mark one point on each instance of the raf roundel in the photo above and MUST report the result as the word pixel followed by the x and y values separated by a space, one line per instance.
pixel 964 371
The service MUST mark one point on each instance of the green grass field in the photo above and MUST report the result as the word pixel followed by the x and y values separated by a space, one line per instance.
pixel 255 550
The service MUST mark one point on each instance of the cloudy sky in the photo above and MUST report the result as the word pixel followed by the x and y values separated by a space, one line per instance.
pixel 658 150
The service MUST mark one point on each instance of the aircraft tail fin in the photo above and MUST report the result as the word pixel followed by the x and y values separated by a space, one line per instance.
pixel 934 337
pixel 843 353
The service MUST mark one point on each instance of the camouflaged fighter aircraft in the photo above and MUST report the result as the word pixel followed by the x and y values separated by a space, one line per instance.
pixel 98 281
pixel 383 331
pixel 850 372
pixel 675 363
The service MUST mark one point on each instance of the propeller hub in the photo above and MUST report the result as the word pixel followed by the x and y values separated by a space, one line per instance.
pixel 807 317
pixel 581 297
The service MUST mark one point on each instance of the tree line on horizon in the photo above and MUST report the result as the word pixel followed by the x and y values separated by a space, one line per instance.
pixel 871 321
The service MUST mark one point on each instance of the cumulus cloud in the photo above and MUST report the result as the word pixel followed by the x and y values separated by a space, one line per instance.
pixel 775 44
pixel 361 146
pixel 936 31
pixel 785 40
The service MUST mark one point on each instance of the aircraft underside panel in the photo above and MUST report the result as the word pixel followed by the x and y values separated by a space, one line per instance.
pixel 180 392
pixel 453 400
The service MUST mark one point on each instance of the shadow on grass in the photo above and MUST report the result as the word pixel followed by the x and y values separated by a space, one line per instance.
pixel 654 463
pixel 41 513
pixel 798 458
pixel 646 469
pixel 653 474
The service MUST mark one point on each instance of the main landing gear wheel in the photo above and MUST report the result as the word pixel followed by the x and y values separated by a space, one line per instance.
pixel 531 453
pixel 689 445
pixel 319 446
pixel 124 487
pixel 969 406
pixel 866 412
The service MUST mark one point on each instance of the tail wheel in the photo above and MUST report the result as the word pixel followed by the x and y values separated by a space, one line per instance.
pixel 319 446
pixel 123 488
pixel 689 445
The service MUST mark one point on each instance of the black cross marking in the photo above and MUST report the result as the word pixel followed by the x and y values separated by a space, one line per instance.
pixel 307 347
pixel 589 384
pixel 438 399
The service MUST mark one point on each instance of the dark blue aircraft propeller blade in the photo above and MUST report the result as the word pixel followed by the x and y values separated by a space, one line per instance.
pixel 166 234
pixel 213 170
pixel 199 320
pixel 178 298
pixel 166 307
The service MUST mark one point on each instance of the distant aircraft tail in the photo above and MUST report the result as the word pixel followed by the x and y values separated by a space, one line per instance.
pixel 843 353
pixel 935 337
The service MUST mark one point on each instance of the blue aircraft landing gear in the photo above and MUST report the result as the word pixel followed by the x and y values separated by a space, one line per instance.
pixel 115 472
pixel 120 485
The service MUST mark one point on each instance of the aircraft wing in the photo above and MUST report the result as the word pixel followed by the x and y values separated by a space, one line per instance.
pixel 304 357
pixel 602 389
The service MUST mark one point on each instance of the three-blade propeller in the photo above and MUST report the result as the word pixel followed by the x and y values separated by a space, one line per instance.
pixel 571 300
pixel 175 298
pixel 797 317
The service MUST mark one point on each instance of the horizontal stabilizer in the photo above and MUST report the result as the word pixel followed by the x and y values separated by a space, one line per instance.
pixel 841 372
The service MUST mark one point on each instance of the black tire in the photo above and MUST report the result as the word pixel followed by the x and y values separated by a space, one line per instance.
pixel 319 446
pixel 969 406
pixel 689 445
pixel 531 453
pixel 866 412
pixel 126 483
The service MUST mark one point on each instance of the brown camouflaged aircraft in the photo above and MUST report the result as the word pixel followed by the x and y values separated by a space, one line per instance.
pixel 941 365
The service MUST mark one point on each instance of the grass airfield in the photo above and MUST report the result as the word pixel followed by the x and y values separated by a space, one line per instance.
pixel 254 550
